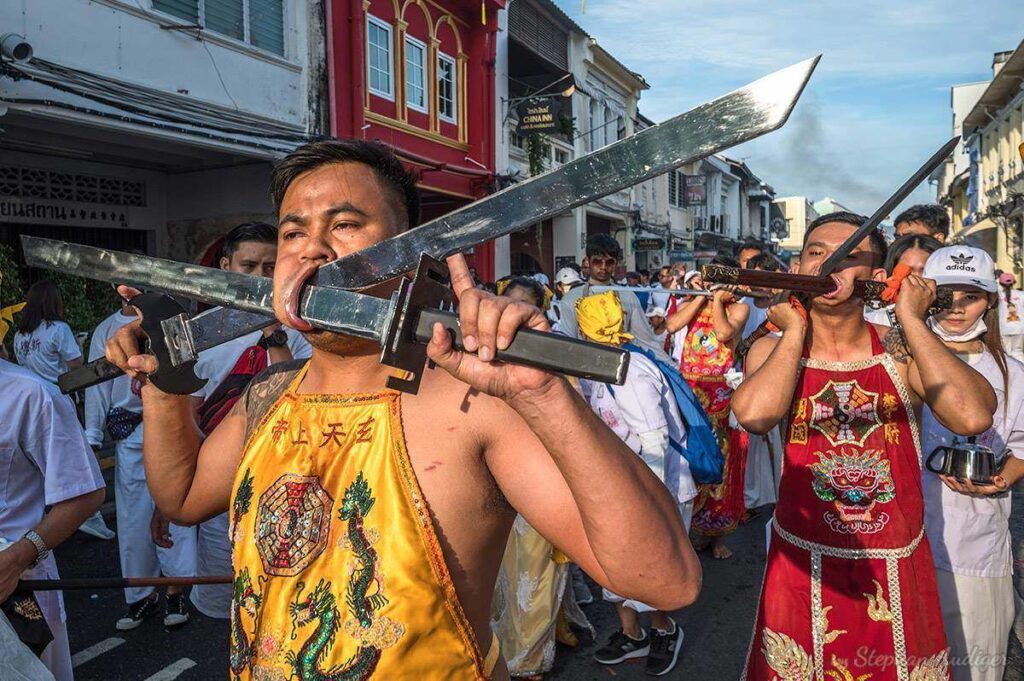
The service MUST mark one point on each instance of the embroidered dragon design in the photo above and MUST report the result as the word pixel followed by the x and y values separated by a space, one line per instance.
pixel 373 633
pixel 244 597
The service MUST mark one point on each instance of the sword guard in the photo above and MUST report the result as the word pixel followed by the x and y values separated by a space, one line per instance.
pixel 430 289
pixel 154 308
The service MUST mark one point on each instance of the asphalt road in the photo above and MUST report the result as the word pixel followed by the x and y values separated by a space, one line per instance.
pixel 717 628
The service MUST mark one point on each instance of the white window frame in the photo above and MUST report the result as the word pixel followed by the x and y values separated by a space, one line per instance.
pixel 409 40
pixel 388 94
pixel 454 118
pixel 245 40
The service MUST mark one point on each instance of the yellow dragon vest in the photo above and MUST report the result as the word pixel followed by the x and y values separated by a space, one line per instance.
pixel 339 574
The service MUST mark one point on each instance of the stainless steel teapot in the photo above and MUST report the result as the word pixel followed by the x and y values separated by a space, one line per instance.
pixel 968 461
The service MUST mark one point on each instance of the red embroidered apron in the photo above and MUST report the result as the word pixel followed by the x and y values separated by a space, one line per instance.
pixel 718 508
pixel 849 589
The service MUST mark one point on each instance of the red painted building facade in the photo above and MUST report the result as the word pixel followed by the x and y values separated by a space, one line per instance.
pixel 418 75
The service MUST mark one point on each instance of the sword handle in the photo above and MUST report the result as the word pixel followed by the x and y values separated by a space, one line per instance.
pixel 541 350
pixel 87 375
pixel 177 380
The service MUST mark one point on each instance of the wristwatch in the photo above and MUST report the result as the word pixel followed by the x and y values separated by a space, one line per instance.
pixel 42 550
pixel 278 339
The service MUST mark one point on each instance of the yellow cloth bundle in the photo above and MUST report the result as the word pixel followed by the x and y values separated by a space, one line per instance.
pixel 600 318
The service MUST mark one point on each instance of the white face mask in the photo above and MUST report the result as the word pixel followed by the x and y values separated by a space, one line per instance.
pixel 977 330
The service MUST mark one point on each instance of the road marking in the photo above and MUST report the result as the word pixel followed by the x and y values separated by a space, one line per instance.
pixel 94 651
pixel 173 670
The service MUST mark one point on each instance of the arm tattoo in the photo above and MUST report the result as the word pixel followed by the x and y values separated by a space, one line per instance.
pixel 896 345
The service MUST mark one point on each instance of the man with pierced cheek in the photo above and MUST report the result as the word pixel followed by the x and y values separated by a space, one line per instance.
pixel 369 525
pixel 849 567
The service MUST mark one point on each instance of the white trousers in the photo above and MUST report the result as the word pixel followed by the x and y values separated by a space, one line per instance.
pixel 978 614
pixel 214 558
pixel 759 486
pixel 140 557
pixel 686 512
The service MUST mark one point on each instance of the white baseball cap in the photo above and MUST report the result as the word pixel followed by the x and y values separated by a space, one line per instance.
pixel 657 312
pixel 568 275
pixel 962 265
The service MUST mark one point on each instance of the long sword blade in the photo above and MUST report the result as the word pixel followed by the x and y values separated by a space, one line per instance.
pixel 335 310
pixel 752 111
pixel 330 309
pixel 937 159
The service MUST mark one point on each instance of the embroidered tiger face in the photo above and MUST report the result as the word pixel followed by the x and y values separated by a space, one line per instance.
pixel 855 481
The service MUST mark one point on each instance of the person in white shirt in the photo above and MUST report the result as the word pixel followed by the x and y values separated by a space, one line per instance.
pixel 966 522
pixel 644 414
pixel 666 281
pixel 44 342
pixel 764 452
pixel 1011 316
pixel 46 463
pixel 249 248
pixel 656 316
pixel 565 280
pixel 115 408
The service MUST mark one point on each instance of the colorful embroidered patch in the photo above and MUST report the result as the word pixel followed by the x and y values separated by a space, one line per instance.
pixel 844 412
pixel 855 481
pixel 292 524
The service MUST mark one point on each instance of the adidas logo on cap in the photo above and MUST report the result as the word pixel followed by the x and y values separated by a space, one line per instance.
pixel 960 262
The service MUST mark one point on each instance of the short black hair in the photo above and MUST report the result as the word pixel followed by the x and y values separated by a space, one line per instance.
pixel 389 170
pixel 766 262
pixel 725 261
pixel 930 214
pixel 875 237
pixel 258 232
pixel 905 243
pixel 530 284
pixel 750 245
pixel 604 244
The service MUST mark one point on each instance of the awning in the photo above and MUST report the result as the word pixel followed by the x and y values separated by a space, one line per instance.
pixel 44 84
pixel 983 234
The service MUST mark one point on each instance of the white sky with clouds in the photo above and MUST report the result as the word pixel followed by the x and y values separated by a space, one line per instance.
pixel 877 106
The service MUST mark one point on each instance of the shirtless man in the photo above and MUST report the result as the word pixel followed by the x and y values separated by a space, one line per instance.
pixel 370 525
pixel 849 568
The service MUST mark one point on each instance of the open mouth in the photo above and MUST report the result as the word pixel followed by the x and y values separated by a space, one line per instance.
pixel 839 289
pixel 291 297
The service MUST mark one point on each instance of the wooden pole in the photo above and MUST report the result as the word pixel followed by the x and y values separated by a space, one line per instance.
pixel 116 582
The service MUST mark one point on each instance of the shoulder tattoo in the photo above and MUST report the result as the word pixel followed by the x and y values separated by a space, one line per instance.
pixel 264 390
pixel 896 345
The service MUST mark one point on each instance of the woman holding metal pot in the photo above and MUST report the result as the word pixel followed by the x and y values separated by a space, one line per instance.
pixel 967 520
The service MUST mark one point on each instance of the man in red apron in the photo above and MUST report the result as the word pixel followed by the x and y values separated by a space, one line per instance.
pixel 849 590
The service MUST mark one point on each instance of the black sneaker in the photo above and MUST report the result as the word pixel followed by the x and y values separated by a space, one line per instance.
pixel 176 614
pixel 139 611
pixel 664 653
pixel 621 647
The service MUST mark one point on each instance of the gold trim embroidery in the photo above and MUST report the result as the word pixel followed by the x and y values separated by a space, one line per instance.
pixel 786 657
pixel 878 608
pixel 849 554
pixel 934 668
pixel 819 617
pixel 899 641
pixel 908 405
pixel 841 673
pixel 829 365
